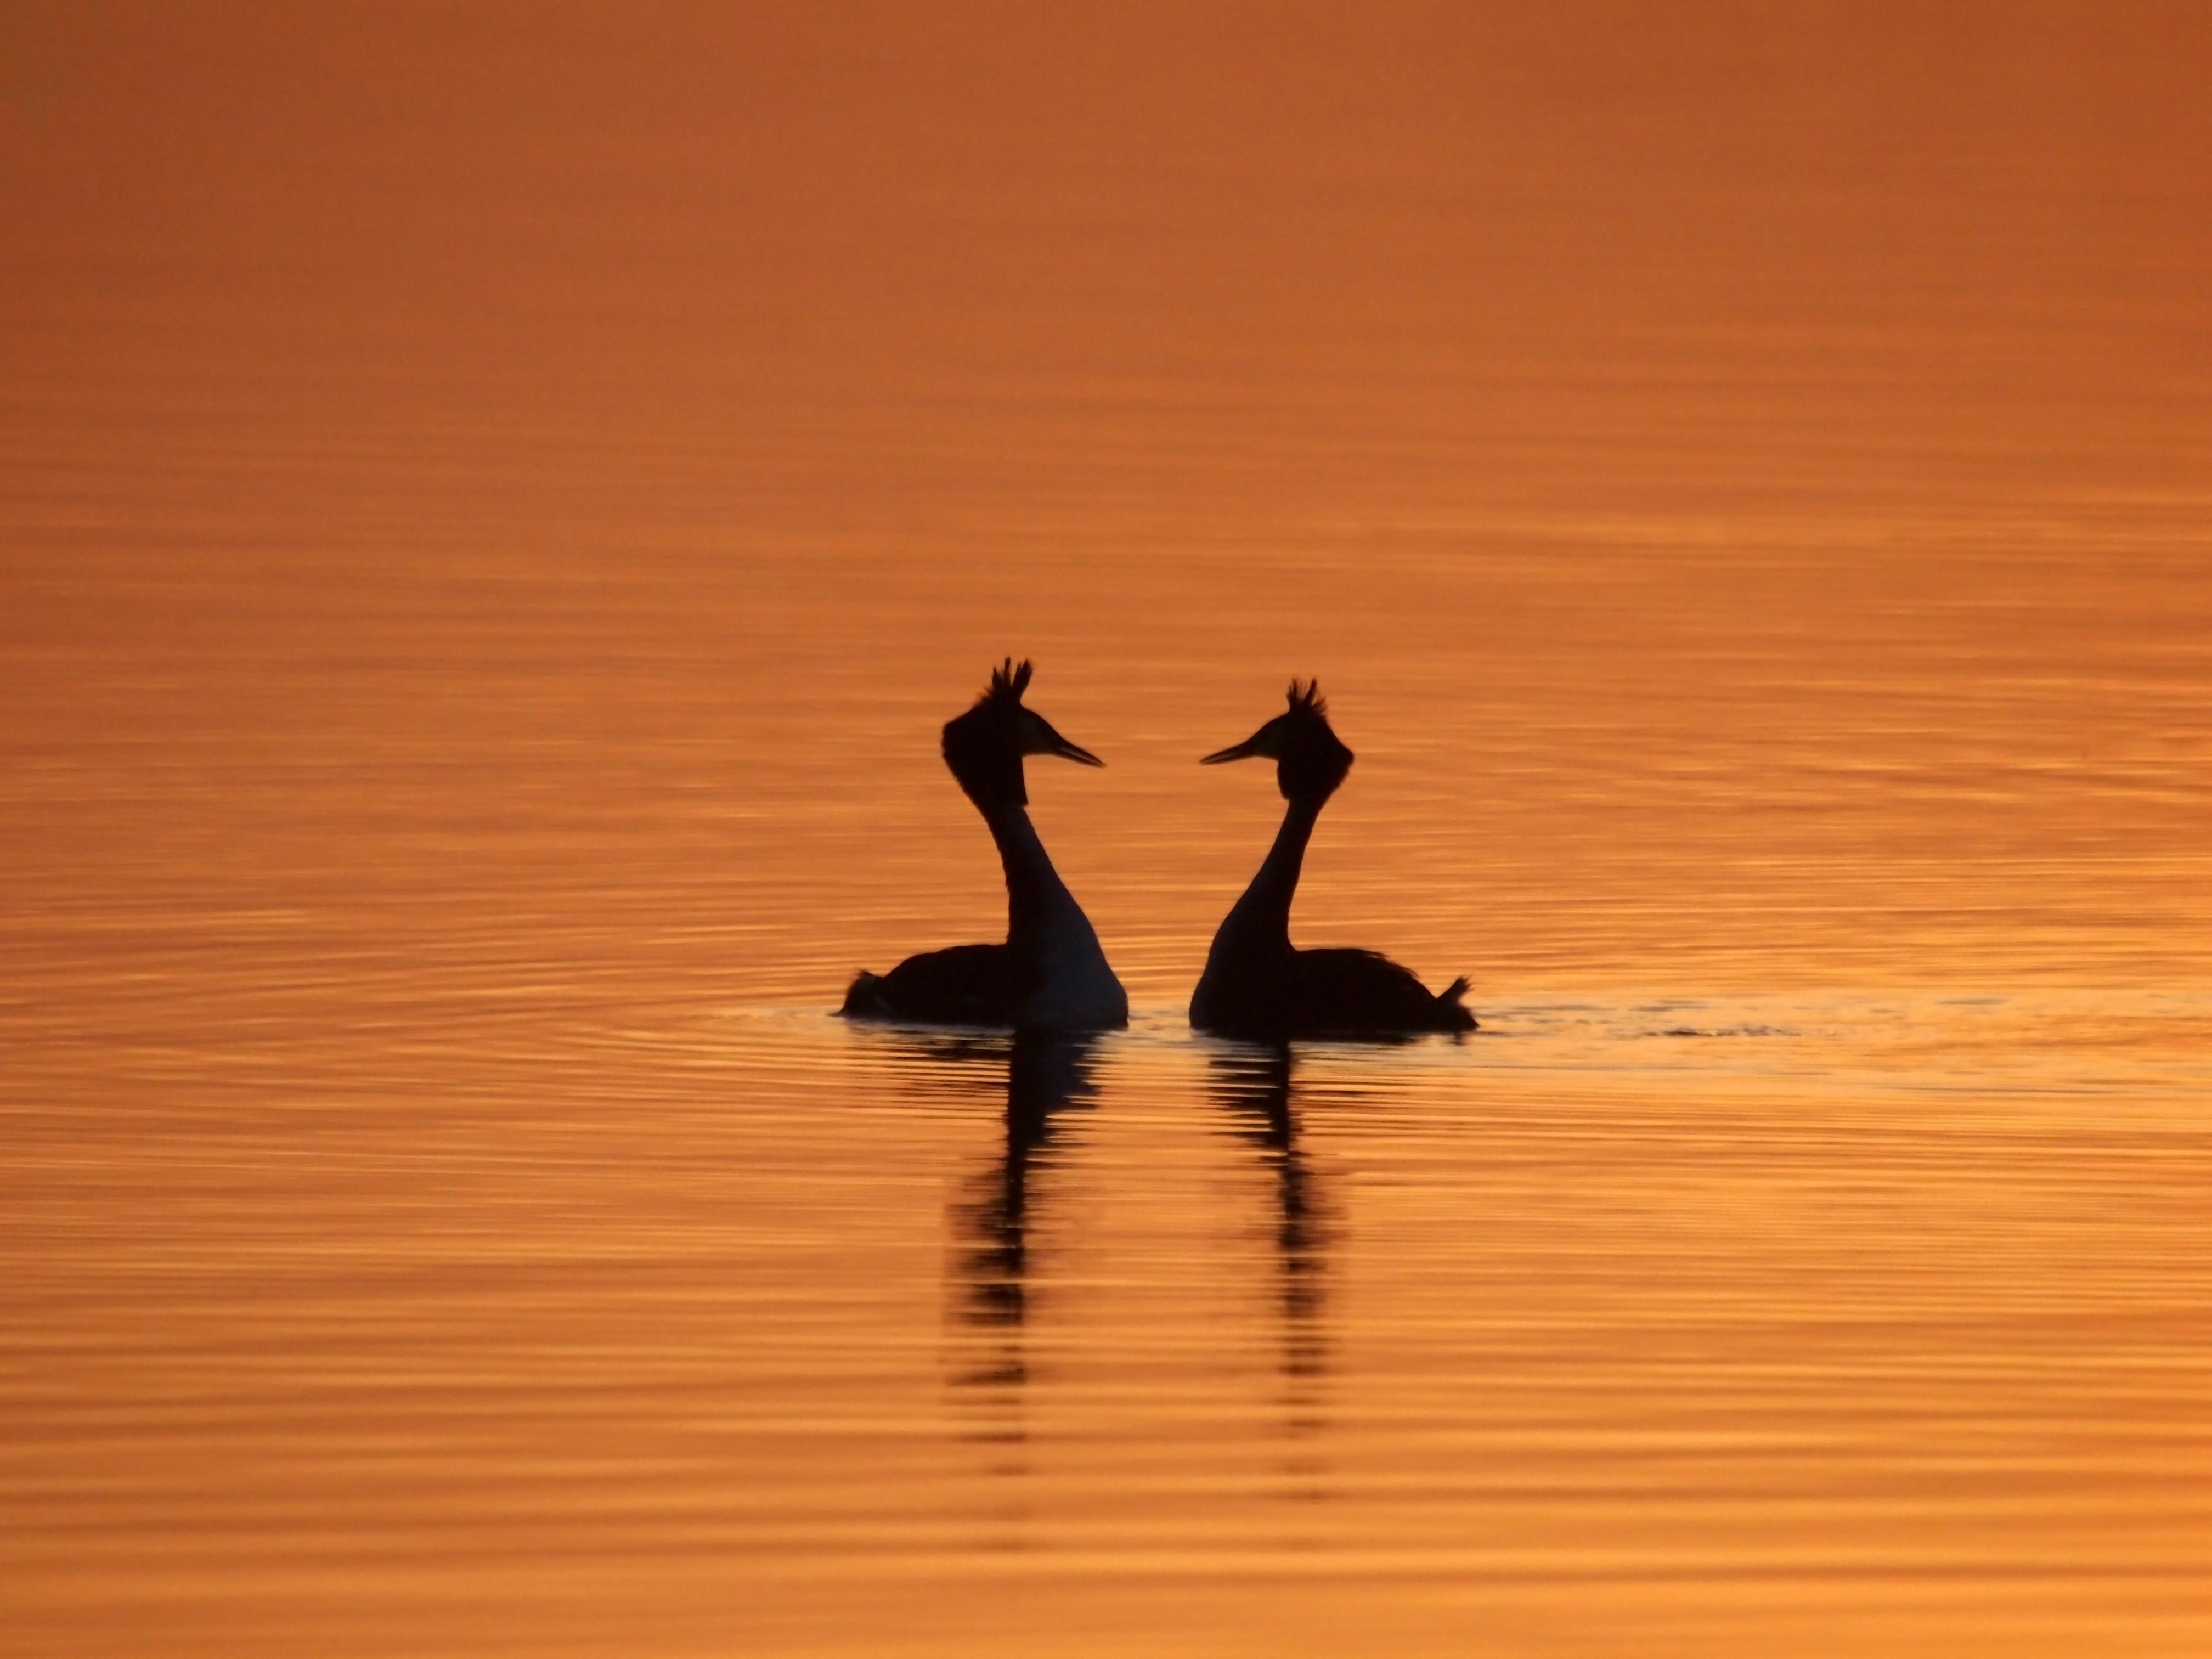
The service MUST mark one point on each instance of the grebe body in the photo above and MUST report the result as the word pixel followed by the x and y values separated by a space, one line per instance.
pixel 1256 983
pixel 1050 973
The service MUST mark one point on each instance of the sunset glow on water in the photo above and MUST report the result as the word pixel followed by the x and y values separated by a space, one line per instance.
pixel 495 505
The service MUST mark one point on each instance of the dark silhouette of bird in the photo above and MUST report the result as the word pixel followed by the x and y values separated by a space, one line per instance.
pixel 1051 975
pixel 1257 984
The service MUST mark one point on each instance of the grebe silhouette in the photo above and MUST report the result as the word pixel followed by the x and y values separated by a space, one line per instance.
pixel 1257 984
pixel 1051 975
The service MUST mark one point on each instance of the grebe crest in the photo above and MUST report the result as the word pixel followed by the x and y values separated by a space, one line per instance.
pixel 1311 759
pixel 984 747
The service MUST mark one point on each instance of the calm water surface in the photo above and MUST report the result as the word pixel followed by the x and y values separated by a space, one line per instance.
pixel 489 536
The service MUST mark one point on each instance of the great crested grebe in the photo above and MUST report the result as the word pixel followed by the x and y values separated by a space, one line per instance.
pixel 1257 984
pixel 1050 973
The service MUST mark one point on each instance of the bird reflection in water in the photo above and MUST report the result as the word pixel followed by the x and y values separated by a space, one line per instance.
pixel 1044 1074
pixel 1252 1083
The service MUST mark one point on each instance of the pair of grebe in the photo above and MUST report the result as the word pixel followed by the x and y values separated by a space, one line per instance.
pixel 1051 975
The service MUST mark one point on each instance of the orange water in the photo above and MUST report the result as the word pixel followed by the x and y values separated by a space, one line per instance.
pixel 494 507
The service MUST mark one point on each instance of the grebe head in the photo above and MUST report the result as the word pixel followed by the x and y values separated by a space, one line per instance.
pixel 984 747
pixel 1310 760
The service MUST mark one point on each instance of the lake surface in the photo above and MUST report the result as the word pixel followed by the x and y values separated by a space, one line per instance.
pixel 494 509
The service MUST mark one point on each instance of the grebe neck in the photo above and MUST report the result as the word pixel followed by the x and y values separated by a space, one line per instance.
pixel 1264 912
pixel 1035 896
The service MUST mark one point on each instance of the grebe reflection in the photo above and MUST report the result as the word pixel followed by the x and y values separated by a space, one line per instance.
pixel 1252 1084
pixel 1046 1073
pixel 1033 1079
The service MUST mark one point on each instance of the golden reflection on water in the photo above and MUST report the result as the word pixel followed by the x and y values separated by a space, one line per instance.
pixel 488 535
pixel 1781 1332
